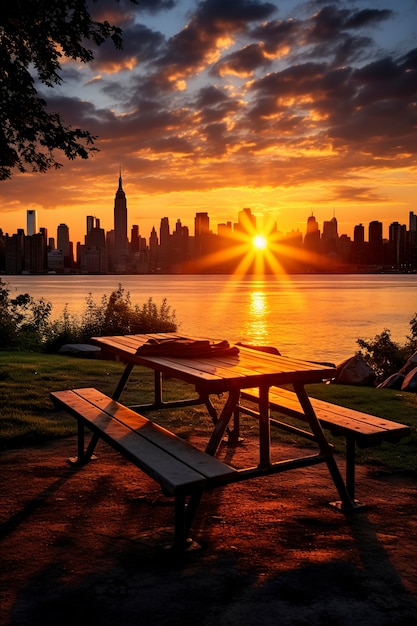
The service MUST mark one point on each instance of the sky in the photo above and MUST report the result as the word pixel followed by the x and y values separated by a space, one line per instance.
pixel 289 108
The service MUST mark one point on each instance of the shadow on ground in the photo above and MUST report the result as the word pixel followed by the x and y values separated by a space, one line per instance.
pixel 78 547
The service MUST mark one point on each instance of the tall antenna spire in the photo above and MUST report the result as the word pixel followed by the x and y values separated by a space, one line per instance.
pixel 120 177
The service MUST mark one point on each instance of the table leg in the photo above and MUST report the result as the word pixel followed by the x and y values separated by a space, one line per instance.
pixel 264 428
pixel 325 448
pixel 221 424
pixel 123 380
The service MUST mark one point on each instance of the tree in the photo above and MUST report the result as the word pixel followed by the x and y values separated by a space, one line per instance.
pixel 34 36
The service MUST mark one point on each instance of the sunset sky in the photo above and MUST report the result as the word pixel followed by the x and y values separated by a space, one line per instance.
pixel 286 107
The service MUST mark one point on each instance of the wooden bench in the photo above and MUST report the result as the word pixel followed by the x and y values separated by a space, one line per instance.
pixel 357 428
pixel 182 471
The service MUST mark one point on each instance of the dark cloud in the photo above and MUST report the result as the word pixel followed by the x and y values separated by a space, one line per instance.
pixel 372 108
pixel 234 12
pixel 243 62
pixel 212 105
pixel 213 21
pixel 140 44
pixel 368 17
pixel 210 96
pixel 277 35
pixel 330 21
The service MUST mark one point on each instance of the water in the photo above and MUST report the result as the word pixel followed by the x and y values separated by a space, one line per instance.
pixel 317 317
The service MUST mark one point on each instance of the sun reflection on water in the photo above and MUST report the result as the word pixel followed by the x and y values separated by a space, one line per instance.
pixel 257 326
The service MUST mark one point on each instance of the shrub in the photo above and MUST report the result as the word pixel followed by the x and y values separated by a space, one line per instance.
pixel 386 356
pixel 25 323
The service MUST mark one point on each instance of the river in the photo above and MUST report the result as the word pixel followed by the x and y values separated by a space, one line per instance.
pixel 316 317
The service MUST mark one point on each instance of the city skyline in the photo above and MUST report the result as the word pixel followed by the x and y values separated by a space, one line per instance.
pixel 241 246
pixel 285 107
pixel 120 225
pixel 89 222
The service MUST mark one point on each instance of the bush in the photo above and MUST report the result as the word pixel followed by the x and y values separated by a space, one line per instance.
pixel 386 356
pixel 25 323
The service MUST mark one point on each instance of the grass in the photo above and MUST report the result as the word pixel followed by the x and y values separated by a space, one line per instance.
pixel 28 417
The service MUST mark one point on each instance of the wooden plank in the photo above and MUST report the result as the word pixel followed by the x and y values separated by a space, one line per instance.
pixel 250 365
pixel 339 420
pixel 211 468
pixel 337 413
pixel 172 474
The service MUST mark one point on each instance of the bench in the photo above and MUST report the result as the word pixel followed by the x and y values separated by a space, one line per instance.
pixel 182 471
pixel 357 428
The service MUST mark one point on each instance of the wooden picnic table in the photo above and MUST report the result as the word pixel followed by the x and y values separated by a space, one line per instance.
pixel 230 374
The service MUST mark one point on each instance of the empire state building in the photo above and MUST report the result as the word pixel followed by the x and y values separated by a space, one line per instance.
pixel 120 229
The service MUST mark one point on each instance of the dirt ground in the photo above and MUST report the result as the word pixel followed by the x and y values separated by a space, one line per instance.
pixel 82 547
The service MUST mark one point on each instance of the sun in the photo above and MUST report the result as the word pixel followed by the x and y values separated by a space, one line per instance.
pixel 259 242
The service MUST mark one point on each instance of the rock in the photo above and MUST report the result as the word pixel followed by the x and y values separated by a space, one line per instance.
pixel 410 381
pixel 80 349
pixel 354 371
pixel 394 381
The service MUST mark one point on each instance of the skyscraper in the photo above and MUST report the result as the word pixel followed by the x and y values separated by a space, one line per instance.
pixel 201 233
pixel 120 230
pixel 32 222
pixel 63 239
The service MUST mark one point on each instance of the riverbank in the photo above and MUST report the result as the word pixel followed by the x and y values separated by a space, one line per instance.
pixel 76 547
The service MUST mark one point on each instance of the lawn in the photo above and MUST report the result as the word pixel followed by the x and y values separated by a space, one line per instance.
pixel 28 417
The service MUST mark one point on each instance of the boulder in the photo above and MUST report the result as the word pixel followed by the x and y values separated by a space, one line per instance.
pixel 354 371
pixel 410 381
pixel 394 381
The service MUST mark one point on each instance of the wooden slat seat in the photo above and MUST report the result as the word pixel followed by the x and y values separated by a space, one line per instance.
pixel 357 428
pixel 181 470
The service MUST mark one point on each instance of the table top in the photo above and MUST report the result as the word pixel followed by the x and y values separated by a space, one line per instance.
pixel 249 368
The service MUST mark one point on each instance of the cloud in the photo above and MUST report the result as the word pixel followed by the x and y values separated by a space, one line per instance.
pixel 239 97
pixel 322 105
pixel 243 62
pixel 330 21
pixel 210 30
pixel 140 46
pixel 357 194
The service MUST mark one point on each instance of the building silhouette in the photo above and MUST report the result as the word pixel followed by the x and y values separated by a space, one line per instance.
pixel 206 252
pixel 120 250
pixel 31 222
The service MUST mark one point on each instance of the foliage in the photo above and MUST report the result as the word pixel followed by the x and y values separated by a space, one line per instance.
pixel 386 356
pixel 25 323
pixel 34 36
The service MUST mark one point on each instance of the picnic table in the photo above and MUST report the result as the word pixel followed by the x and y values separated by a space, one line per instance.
pixel 220 369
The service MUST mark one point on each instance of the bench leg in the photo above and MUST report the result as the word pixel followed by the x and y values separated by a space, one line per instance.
pixel 184 516
pixel 79 459
pixel 350 466
pixel 83 456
